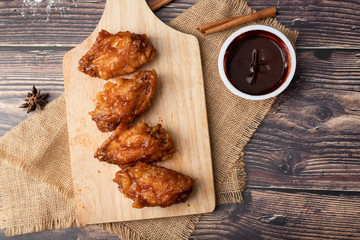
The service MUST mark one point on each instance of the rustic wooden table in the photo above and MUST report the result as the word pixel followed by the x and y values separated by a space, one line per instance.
pixel 303 163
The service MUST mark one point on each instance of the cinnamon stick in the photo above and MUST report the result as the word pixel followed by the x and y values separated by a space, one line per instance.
pixel 155 5
pixel 234 21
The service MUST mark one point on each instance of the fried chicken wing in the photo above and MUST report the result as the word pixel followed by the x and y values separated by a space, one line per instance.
pixel 138 143
pixel 122 101
pixel 116 54
pixel 150 185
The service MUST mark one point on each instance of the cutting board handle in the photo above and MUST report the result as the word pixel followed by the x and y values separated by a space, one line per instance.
pixel 135 8
pixel 135 14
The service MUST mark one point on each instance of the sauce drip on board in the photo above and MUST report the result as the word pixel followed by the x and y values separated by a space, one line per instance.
pixel 257 62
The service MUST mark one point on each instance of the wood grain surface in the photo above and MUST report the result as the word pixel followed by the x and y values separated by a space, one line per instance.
pixel 178 104
pixel 302 163
pixel 322 23
pixel 284 215
pixel 311 137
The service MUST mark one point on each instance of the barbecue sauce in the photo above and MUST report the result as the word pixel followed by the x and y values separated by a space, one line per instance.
pixel 257 62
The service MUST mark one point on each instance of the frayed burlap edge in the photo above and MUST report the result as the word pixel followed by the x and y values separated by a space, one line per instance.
pixel 66 193
pixel 236 173
pixel 124 231
pixel 237 169
pixel 45 225
pixel 55 184
pixel 9 202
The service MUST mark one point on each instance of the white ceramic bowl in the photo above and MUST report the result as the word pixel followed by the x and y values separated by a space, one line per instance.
pixel 241 31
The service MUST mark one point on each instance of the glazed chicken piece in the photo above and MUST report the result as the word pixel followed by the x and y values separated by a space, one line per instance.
pixel 116 54
pixel 122 101
pixel 138 143
pixel 150 185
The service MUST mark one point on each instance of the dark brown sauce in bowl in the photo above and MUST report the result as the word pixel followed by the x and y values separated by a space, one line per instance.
pixel 257 62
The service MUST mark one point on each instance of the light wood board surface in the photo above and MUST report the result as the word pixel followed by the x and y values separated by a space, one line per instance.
pixel 178 104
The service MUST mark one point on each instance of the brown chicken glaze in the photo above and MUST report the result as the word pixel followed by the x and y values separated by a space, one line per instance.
pixel 137 143
pixel 116 54
pixel 122 101
pixel 150 185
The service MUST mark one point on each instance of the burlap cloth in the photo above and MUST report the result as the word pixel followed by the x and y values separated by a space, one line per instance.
pixel 35 171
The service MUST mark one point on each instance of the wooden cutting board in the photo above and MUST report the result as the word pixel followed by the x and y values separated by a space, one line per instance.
pixel 178 104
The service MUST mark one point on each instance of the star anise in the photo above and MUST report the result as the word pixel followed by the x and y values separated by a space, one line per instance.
pixel 35 100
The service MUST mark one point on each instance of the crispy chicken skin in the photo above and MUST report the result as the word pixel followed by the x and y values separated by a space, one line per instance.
pixel 116 54
pixel 137 143
pixel 150 185
pixel 122 101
